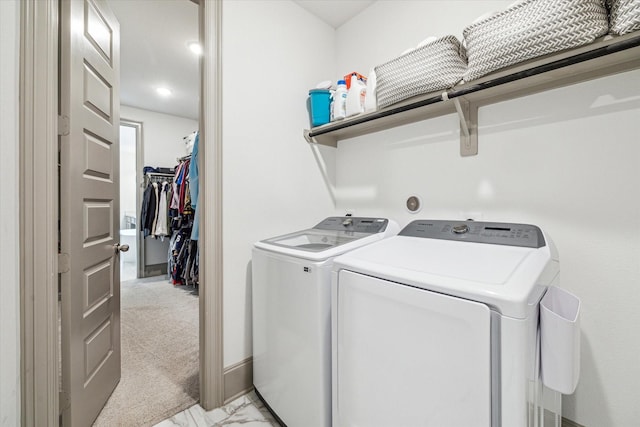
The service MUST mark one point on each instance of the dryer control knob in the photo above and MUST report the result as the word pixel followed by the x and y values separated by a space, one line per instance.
pixel 460 229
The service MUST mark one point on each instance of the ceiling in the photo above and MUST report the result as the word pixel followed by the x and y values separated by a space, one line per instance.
pixel 154 53
pixel 335 13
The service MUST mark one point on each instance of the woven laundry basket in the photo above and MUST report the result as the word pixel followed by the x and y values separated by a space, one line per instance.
pixel 624 16
pixel 531 28
pixel 437 65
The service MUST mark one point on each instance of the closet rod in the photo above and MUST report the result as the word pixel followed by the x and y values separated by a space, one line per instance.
pixel 150 177
pixel 182 159
pixel 169 175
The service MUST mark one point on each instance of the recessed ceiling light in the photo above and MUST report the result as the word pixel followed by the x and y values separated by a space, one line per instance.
pixel 163 91
pixel 195 47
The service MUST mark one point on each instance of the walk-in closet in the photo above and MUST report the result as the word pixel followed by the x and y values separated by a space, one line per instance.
pixel 159 286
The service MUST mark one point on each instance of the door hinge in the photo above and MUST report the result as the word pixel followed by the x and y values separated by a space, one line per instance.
pixel 63 263
pixel 63 401
pixel 63 125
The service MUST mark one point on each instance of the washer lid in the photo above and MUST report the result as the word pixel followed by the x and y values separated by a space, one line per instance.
pixel 315 240
pixel 331 237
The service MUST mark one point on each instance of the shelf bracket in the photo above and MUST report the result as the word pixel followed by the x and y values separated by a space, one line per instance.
pixel 310 140
pixel 322 140
pixel 468 115
pixel 463 115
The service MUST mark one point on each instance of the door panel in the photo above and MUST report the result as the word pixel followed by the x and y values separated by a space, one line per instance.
pixel 89 223
pixel 403 347
pixel 98 162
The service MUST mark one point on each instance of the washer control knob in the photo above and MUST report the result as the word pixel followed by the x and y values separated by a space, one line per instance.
pixel 460 229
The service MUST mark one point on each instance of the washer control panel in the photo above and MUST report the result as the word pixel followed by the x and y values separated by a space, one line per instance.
pixel 496 233
pixel 352 223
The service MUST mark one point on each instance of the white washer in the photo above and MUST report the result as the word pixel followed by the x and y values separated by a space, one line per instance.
pixel 437 326
pixel 291 295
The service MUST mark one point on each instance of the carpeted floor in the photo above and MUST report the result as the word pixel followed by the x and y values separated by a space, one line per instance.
pixel 159 340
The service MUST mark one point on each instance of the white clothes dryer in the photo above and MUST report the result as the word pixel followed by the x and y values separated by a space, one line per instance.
pixel 437 326
pixel 291 293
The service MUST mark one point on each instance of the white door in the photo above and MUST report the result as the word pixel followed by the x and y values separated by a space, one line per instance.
pixel 407 357
pixel 89 98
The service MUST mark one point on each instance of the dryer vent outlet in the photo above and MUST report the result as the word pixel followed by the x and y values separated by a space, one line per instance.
pixel 413 204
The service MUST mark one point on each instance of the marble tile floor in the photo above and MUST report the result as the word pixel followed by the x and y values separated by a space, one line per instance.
pixel 245 411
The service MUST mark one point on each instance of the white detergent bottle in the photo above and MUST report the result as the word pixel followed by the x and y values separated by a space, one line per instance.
pixel 355 97
pixel 370 102
pixel 339 104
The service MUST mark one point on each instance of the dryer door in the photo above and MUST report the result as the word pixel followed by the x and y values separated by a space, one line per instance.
pixel 409 357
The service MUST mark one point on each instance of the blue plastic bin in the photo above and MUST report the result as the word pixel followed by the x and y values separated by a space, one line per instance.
pixel 320 106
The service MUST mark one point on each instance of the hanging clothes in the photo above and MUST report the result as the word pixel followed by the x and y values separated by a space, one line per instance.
pixel 178 255
pixel 195 188
pixel 186 209
pixel 149 210
pixel 154 216
pixel 182 201
pixel 146 199
pixel 175 198
pixel 155 206
pixel 182 184
pixel 190 272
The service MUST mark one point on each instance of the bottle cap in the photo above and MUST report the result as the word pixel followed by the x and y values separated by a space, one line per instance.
pixel 342 82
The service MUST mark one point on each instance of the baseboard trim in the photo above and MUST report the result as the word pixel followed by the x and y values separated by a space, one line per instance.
pixel 238 379
pixel 549 419
pixel 568 423
pixel 155 270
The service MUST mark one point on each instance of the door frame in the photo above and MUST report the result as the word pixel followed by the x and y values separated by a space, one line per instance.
pixel 138 126
pixel 212 394
pixel 39 212
pixel 39 261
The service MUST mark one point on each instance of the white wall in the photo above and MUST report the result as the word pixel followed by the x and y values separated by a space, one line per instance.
pixel 388 27
pixel 9 221
pixel 566 160
pixel 161 134
pixel 273 53
pixel 161 145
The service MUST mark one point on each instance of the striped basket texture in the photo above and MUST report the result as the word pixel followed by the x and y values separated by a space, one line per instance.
pixel 624 17
pixel 435 66
pixel 529 29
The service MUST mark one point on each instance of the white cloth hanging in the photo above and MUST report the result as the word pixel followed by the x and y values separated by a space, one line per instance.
pixel 188 142
pixel 161 218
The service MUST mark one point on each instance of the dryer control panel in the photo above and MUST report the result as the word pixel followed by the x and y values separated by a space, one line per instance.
pixel 495 233
pixel 351 223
